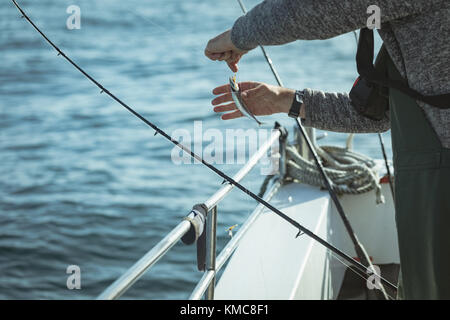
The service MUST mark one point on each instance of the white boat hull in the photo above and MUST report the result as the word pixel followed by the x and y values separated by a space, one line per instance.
pixel 271 263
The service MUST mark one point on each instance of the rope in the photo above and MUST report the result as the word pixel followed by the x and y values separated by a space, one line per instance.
pixel 349 171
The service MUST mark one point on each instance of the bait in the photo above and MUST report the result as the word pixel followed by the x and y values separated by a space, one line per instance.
pixel 236 95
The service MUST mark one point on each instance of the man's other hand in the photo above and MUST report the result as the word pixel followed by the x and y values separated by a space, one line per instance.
pixel 222 48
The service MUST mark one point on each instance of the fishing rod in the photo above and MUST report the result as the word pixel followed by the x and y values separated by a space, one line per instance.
pixel 386 163
pixel 361 268
pixel 359 248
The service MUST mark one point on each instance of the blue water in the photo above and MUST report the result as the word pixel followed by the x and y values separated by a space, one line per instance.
pixel 83 181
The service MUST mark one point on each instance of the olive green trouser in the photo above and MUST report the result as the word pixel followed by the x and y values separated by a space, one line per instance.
pixel 422 199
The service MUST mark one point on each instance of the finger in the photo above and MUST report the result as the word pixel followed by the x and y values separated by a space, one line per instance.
pixel 225 108
pixel 234 60
pixel 235 57
pixel 247 85
pixel 216 56
pixel 222 89
pixel 225 56
pixel 232 115
pixel 213 55
pixel 221 99
pixel 233 66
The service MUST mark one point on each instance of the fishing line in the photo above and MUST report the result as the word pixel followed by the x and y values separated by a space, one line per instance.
pixel 172 35
pixel 358 273
pixel 297 225
pixel 359 248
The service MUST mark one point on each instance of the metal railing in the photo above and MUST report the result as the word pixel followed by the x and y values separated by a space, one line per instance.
pixel 207 282
pixel 212 265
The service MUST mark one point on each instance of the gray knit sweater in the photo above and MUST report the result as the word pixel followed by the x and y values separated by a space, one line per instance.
pixel 416 34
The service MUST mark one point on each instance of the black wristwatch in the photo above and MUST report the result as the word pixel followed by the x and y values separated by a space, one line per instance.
pixel 294 112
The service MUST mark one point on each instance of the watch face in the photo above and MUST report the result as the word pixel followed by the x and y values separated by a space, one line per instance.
pixel 298 97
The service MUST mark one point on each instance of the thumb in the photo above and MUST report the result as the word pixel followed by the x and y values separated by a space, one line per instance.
pixel 233 66
pixel 254 93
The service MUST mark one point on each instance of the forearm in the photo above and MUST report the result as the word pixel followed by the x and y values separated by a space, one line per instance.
pixel 281 21
pixel 334 112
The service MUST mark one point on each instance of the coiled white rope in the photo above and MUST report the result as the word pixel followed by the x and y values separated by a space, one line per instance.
pixel 349 171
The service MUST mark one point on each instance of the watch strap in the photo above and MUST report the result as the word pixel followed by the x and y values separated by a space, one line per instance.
pixel 294 111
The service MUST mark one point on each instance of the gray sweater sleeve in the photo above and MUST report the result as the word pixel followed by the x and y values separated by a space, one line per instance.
pixel 275 22
pixel 323 106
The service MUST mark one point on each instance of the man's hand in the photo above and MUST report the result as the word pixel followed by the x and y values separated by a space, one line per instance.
pixel 222 48
pixel 261 99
